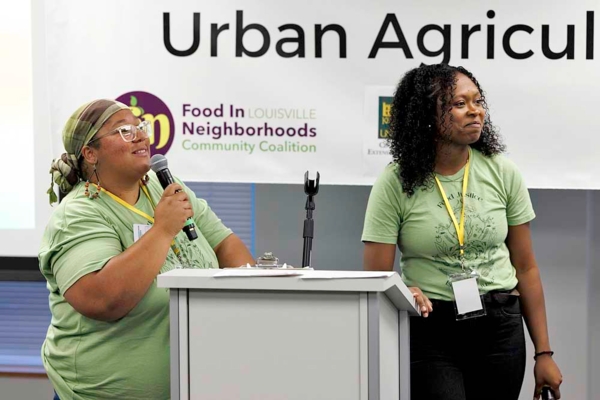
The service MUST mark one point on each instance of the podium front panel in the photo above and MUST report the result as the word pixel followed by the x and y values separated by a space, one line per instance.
pixel 288 338
pixel 266 345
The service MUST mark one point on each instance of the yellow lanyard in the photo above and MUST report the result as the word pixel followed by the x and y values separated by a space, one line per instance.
pixel 129 206
pixel 141 213
pixel 460 228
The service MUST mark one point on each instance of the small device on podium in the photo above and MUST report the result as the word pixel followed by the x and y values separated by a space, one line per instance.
pixel 269 261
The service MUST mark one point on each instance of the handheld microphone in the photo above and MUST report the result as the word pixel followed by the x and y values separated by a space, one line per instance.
pixel 547 393
pixel 159 165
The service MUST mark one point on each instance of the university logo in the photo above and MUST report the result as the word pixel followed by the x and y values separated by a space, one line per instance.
pixel 385 112
pixel 148 107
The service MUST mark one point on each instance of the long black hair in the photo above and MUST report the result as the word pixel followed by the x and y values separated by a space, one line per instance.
pixel 414 122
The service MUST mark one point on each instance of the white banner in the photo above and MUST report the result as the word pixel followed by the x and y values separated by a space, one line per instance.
pixel 263 90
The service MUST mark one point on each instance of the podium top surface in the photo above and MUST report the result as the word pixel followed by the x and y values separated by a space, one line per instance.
pixel 205 279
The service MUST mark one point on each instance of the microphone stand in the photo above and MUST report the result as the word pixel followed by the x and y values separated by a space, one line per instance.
pixel 311 188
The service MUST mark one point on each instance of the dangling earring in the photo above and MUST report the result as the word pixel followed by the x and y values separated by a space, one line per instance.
pixel 145 179
pixel 98 187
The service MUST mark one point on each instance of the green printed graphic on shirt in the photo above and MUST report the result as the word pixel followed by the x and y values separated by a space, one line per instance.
pixel 481 238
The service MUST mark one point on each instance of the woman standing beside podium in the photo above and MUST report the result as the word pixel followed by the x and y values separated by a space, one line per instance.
pixel 459 212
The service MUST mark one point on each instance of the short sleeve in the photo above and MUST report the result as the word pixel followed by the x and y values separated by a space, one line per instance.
pixel 213 230
pixel 75 244
pixel 519 209
pixel 383 215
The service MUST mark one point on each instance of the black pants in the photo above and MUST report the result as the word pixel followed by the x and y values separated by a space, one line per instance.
pixel 474 359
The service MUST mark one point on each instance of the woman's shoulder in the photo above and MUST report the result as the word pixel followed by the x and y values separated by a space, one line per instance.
pixel 73 214
pixel 76 205
pixel 389 183
pixel 391 174
pixel 499 162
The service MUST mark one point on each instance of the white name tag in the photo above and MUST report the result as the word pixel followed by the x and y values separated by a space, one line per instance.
pixel 467 296
pixel 139 230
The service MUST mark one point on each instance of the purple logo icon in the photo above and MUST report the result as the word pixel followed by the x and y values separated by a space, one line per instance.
pixel 148 107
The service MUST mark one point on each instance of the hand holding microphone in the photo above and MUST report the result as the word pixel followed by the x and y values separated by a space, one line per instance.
pixel 172 211
pixel 176 206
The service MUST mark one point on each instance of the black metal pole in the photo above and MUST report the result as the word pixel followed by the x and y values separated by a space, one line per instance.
pixel 309 227
pixel 311 188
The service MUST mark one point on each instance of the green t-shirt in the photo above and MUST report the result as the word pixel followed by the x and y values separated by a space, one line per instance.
pixel 128 358
pixel 496 199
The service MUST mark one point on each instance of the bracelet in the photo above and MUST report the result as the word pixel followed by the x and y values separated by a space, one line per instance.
pixel 541 353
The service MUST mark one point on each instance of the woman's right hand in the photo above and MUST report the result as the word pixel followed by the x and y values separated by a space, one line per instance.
pixel 172 210
pixel 422 301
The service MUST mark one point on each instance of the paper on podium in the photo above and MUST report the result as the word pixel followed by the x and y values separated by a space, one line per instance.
pixel 346 274
pixel 254 272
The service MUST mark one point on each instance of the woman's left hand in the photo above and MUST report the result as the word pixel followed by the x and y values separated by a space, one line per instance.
pixel 546 373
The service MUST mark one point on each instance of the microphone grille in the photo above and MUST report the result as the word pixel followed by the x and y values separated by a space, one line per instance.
pixel 158 162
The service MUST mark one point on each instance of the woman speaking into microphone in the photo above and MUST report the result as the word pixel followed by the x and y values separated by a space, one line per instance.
pixel 114 231
pixel 459 211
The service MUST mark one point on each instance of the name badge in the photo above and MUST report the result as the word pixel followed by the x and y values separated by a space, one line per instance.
pixel 467 300
pixel 139 230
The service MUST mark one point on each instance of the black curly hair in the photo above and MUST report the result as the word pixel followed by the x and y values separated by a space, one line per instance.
pixel 414 124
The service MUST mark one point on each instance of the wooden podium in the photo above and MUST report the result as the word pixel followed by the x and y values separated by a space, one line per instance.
pixel 310 337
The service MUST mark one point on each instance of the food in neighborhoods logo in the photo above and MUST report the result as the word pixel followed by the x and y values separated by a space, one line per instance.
pixel 225 127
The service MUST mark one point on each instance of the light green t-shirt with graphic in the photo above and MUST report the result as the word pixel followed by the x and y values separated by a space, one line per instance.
pixel 496 199
pixel 128 358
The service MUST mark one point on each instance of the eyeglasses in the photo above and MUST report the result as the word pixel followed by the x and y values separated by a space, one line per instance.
pixel 130 132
